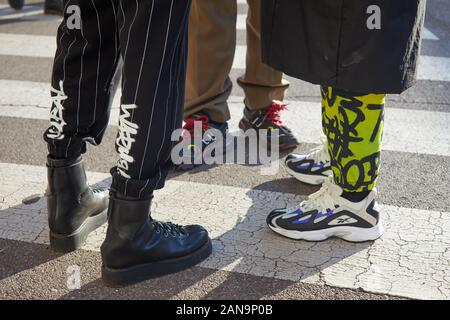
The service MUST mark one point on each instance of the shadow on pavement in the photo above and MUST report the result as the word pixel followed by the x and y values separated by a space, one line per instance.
pixel 257 262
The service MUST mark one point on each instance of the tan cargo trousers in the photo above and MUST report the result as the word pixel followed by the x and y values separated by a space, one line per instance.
pixel 212 44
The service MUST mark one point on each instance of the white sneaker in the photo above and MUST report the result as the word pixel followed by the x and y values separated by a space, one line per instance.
pixel 313 168
pixel 326 214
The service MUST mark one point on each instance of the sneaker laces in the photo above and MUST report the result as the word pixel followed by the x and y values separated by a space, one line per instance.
pixel 320 154
pixel 56 113
pixel 190 123
pixel 168 228
pixel 273 113
pixel 322 199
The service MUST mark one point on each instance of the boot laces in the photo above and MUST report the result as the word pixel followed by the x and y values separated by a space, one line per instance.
pixel 273 113
pixel 169 228
pixel 320 154
pixel 190 123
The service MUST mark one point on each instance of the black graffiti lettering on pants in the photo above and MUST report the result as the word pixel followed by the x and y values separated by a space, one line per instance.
pixel 341 132
pixel 352 125
pixel 380 119
pixel 365 178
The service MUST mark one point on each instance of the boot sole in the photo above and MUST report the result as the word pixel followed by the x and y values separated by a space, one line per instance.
pixel 70 242
pixel 127 276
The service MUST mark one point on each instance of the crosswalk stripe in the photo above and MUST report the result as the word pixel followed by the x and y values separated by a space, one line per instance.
pixel 430 68
pixel 27 45
pixel 21 14
pixel 29 12
pixel 405 130
pixel 411 259
pixel 428 35
pixel 434 68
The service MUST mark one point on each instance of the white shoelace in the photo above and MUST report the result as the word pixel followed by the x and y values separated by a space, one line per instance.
pixel 56 113
pixel 320 153
pixel 322 199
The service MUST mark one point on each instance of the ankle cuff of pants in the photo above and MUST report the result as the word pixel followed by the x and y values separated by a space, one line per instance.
pixel 138 189
pixel 63 163
pixel 67 148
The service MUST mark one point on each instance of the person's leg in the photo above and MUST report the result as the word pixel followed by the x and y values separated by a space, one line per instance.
pixel 263 86
pixel 84 64
pixel 212 42
pixel 346 204
pixel 353 125
pixel 315 167
pixel 153 46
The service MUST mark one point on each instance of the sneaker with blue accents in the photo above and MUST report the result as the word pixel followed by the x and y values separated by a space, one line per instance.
pixel 313 168
pixel 327 214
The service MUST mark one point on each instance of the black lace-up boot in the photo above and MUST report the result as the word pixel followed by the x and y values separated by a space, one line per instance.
pixel 74 209
pixel 137 247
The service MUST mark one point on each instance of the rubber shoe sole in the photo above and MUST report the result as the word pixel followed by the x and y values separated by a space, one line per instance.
pixel 70 242
pixel 128 276
pixel 351 234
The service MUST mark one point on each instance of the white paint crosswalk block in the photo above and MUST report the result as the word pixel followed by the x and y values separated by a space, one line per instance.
pixel 434 68
pixel 27 45
pixel 405 130
pixel 428 35
pixel 29 12
pixel 430 68
pixel 410 260
pixel 425 132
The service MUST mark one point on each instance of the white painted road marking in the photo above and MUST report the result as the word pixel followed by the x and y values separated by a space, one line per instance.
pixel 410 260
pixel 430 68
pixel 416 131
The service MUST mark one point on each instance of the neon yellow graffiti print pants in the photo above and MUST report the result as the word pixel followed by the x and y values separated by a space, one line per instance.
pixel 353 125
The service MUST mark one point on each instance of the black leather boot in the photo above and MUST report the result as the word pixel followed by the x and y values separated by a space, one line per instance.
pixel 74 209
pixel 53 7
pixel 137 247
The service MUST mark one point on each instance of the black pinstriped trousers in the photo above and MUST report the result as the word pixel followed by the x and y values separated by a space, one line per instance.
pixel 150 36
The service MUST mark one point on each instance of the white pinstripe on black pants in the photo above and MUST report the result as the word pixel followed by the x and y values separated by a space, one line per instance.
pixel 150 37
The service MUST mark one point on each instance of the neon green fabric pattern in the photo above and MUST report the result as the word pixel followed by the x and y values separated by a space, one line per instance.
pixel 353 125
